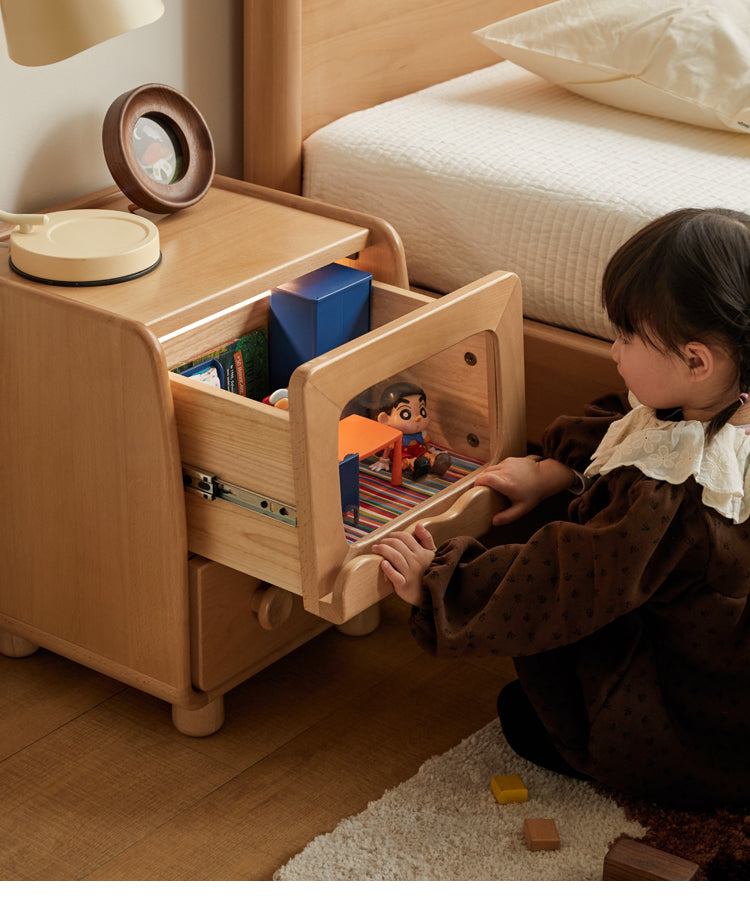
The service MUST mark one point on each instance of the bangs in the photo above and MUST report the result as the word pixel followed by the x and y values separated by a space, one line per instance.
pixel 636 294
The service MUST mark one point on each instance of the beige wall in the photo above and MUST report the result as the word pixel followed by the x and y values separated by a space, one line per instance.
pixel 51 116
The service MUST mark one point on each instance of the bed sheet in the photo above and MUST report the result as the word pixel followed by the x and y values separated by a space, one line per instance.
pixel 501 169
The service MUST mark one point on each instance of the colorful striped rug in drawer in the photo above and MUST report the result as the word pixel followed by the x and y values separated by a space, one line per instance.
pixel 380 502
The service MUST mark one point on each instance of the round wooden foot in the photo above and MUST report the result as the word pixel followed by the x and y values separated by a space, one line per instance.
pixel 201 722
pixel 363 624
pixel 14 646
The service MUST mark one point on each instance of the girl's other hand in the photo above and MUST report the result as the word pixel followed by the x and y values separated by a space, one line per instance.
pixel 406 558
pixel 525 482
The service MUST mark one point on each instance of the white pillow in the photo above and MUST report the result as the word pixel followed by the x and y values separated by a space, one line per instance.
pixel 688 60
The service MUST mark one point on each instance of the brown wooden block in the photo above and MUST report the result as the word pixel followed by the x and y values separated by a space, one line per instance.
pixel 541 835
pixel 631 860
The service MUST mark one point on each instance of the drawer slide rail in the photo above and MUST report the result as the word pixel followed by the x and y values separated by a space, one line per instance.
pixel 212 488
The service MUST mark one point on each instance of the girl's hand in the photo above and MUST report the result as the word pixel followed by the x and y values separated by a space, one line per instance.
pixel 406 558
pixel 525 482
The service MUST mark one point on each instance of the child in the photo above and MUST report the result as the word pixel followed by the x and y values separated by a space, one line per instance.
pixel 627 616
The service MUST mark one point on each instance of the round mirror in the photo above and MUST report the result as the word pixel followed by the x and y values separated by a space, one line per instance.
pixel 158 150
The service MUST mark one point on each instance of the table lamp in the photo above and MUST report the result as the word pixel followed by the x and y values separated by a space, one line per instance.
pixel 39 32
pixel 76 247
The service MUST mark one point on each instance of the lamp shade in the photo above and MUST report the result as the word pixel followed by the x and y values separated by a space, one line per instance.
pixel 39 32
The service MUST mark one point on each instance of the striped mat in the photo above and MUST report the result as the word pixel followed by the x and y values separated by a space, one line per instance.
pixel 380 502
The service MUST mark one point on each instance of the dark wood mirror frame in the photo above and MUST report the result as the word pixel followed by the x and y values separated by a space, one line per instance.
pixel 187 130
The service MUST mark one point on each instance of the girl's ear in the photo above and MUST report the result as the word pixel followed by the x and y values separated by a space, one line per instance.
pixel 700 360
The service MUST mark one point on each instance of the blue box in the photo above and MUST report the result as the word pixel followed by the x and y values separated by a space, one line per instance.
pixel 315 313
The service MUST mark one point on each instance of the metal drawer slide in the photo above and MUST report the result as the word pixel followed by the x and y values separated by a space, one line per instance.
pixel 212 488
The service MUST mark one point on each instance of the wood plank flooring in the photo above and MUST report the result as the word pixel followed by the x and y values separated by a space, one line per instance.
pixel 96 784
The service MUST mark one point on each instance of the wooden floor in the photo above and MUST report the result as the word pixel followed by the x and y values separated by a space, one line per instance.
pixel 96 784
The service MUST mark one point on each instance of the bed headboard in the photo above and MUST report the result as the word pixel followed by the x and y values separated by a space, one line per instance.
pixel 308 62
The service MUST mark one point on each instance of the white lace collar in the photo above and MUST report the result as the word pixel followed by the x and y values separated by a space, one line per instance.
pixel 674 451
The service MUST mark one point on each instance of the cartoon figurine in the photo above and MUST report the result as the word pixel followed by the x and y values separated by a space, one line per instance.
pixel 403 405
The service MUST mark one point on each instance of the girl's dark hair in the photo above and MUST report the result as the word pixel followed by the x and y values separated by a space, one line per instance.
pixel 686 277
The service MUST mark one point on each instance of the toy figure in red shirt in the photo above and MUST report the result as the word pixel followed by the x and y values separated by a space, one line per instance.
pixel 403 405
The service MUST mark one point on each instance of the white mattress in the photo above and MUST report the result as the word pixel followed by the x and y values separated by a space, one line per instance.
pixel 500 169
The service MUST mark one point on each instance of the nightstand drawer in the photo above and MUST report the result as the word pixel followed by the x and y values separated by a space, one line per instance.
pixel 262 484
pixel 236 629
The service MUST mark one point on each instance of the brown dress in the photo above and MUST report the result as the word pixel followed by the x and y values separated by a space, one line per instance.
pixel 628 622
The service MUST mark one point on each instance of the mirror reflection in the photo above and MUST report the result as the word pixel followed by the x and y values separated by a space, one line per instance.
pixel 157 150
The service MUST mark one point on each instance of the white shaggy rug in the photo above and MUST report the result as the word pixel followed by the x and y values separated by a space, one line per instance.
pixel 445 824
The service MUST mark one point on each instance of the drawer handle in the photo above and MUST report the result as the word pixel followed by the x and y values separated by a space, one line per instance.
pixel 273 606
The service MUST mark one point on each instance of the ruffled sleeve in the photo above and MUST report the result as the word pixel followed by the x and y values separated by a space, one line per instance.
pixel 573 439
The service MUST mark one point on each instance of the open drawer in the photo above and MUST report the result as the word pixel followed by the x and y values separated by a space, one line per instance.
pixel 277 515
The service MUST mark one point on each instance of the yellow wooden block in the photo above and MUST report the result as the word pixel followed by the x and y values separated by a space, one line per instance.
pixel 509 789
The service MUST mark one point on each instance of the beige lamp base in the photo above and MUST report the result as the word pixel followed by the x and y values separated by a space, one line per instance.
pixel 86 247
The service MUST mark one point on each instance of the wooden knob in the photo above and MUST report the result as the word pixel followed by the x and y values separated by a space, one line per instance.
pixel 273 606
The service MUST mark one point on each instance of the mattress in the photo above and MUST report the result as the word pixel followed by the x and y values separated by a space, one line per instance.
pixel 500 169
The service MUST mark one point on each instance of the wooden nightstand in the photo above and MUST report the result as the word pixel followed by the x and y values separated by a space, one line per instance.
pixel 111 550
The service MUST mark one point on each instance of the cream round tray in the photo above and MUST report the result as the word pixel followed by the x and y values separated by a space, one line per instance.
pixel 84 247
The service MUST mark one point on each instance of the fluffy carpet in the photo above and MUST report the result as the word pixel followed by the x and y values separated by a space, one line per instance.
pixel 445 824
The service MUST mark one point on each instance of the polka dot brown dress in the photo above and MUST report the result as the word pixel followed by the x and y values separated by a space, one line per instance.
pixel 628 622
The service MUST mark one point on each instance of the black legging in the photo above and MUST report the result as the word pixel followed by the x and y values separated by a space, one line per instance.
pixel 525 733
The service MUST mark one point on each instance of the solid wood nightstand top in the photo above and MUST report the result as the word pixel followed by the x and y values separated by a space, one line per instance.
pixel 229 247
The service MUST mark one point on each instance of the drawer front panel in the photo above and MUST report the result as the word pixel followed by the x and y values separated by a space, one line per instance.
pixel 484 319
pixel 228 641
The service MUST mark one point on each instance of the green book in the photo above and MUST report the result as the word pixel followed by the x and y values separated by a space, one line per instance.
pixel 245 364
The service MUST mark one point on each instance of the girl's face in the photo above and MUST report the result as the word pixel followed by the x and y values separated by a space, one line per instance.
pixel 657 378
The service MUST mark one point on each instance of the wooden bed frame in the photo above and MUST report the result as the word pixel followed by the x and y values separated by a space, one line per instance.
pixel 308 62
